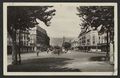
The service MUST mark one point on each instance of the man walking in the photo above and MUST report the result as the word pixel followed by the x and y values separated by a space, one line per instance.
pixel 37 52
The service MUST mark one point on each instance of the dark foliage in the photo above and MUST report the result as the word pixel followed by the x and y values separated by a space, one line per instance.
pixel 96 16
pixel 66 45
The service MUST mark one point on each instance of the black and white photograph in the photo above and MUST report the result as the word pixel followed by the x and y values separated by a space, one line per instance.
pixel 60 38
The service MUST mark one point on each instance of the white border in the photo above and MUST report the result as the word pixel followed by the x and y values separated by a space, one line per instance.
pixel 56 73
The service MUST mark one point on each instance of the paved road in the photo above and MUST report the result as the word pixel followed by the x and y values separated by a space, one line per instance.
pixel 81 60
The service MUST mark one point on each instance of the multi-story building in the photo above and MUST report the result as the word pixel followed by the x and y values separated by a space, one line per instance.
pixel 103 42
pixel 30 40
pixel 74 44
pixel 21 41
pixel 91 40
pixel 24 41
pixel 39 39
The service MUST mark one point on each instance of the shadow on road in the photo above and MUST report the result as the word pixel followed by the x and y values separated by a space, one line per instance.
pixel 98 58
pixel 42 65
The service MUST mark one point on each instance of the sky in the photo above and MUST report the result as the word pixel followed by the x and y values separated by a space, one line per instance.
pixel 64 24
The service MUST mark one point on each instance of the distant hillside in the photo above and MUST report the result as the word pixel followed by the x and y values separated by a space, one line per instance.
pixel 58 41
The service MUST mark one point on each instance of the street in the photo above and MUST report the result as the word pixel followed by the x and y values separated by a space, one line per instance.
pixel 71 61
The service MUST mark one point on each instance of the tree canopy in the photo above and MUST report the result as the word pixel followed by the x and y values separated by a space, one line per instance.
pixel 24 17
pixel 66 45
pixel 96 16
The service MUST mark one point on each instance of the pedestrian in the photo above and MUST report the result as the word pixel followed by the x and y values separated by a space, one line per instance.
pixel 47 50
pixel 37 52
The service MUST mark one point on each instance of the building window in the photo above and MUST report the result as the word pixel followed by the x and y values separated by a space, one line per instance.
pixel 88 41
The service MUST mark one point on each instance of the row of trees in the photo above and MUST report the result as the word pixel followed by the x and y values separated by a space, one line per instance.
pixel 22 18
pixel 96 16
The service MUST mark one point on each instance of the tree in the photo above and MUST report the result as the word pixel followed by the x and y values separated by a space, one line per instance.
pixel 66 45
pixel 96 16
pixel 22 18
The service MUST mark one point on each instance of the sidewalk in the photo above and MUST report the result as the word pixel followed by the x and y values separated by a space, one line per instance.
pixel 90 66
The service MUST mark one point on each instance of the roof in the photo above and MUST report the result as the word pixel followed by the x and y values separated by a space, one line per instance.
pixel 41 30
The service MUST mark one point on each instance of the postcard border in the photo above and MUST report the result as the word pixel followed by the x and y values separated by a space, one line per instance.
pixel 56 73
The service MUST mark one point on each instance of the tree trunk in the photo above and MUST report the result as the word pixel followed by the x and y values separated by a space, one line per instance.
pixel 111 53
pixel 14 48
pixel 27 42
pixel 107 53
pixel 19 52
pixel 14 53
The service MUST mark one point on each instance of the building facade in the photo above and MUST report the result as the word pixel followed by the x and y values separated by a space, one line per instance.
pixel 21 41
pixel 91 40
pixel 103 42
pixel 75 44
pixel 30 40
pixel 39 39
